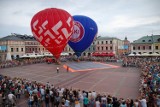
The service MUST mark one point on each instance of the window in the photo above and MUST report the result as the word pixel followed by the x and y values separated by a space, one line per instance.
pixel 139 48
pixel 11 49
pixel 17 49
pixel 143 40
pixel 150 47
pixel 93 49
pixel 93 43
pixel 134 48
pixel 149 40
pixel 98 42
pixel 156 47
pixel 102 42
pixel 21 49
pixel 32 49
pixel 106 42
pixel 39 49
pixel 111 48
pixel 88 48
pixel 97 48
pixel 106 48
pixel 143 47
pixel 102 48
pixel 69 49
pixel 110 42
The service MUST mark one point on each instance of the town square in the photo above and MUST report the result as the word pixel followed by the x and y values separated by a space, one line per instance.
pixel 80 53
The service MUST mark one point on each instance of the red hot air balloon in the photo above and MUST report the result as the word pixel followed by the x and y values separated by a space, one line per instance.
pixel 52 27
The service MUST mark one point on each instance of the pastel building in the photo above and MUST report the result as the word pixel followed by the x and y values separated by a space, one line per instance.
pixel 146 44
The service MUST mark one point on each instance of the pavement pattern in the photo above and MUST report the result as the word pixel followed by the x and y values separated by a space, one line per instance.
pixel 104 78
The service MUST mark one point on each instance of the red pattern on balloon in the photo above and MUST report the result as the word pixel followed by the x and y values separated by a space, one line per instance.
pixel 52 28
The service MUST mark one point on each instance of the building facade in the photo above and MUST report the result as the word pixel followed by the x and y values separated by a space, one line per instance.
pixel 146 44
pixel 19 45
pixel 109 45
pixel 13 45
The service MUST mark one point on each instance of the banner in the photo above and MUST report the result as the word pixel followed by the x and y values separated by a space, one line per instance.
pixel 125 46
pixel 3 48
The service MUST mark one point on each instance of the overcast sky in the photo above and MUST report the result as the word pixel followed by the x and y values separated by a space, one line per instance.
pixel 117 18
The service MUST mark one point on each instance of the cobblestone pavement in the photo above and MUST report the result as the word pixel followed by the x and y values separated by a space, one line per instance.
pixel 118 81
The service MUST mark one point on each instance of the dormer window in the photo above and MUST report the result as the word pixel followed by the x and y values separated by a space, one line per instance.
pixel 158 39
pixel 149 40
pixel 143 40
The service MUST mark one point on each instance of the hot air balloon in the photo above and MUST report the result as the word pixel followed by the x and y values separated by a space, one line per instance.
pixel 85 30
pixel 52 27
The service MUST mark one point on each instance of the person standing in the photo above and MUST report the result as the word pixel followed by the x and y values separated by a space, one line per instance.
pixel 47 99
pixel 57 70
pixel 143 102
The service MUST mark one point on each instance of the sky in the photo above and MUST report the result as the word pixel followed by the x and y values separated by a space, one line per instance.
pixel 115 18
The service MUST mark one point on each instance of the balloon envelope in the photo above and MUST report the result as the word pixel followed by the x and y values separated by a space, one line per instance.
pixel 85 30
pixel 52 27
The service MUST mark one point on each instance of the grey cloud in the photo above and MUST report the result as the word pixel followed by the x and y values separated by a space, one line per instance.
pixel 103 12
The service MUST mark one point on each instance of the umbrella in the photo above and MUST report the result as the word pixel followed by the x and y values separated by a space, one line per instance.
pixel 95 54
pixel 104 54
pixel 111 54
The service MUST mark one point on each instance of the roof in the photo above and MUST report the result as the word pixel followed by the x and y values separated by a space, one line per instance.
pixel 147 40
pixel 156 38
pixel 26 37
pixel 10 37
pixel 18 37
pixel 105 37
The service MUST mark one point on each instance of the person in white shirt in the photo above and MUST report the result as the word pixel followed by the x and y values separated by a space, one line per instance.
pixel 136 103
pixel 94 94
pixel 67 103
pixel 143 102
pixel 97 103
pixel 12 98
pixel 57 70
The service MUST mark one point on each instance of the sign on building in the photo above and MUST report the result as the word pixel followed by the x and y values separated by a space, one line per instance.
pixel 3 48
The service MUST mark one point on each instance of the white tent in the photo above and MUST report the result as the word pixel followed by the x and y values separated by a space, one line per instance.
pixel 24 56
pixel 8 57
pixel 48 54
pixel 145 54
pixel 155 54
pixel 64 54
pixel 131 54
pixel 39 55
pixel 138 54
pixel 31 56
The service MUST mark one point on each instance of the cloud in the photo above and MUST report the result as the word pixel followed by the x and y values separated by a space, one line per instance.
pixel 114 18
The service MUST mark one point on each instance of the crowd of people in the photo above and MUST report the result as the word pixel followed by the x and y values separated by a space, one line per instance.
pixel 46 95
pixel 21 62
pixel 38 94
pixel 150 77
